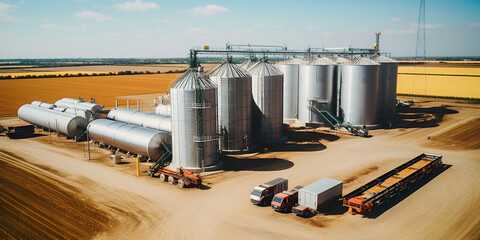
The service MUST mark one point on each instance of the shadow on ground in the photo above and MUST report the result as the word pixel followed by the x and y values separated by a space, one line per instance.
pixel 302 139
pixel 232 163
pixel 416 117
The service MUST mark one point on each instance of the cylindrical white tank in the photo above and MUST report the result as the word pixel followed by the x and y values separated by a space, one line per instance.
pixel 194 122
pixel 317 87
pixel 359 92
pixel 164 109
pixel 134 139
pixel 43 105
pixel 387 87
pixel 234 106
pixel 73 103
pixel 267 91
pixel 290 70
pixel 139 118
pixel 63 123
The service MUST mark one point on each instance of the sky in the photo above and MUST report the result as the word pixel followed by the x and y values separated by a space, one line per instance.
pixel 161 29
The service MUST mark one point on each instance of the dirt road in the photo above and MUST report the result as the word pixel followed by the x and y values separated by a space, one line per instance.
pixel 445 207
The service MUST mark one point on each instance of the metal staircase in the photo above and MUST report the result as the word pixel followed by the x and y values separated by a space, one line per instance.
pixel 163 161
pixel 337 124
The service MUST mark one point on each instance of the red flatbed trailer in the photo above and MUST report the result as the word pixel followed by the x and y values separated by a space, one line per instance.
pixel 389 184
pixel 183 178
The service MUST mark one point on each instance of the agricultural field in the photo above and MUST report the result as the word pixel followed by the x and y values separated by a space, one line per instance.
pixel 431 80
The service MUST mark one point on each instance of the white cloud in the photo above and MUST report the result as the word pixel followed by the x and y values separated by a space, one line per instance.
pixel 396 19
pixel 477 24
pixel 314 27
pixel 263 26
pixel 51 26
pixel 138 5
pixel 99 17
pixel 5 16
pixel 208 10
pixel 428 26
pixel 167 21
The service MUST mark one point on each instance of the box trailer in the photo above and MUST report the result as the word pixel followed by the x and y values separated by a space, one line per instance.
pixel 313 196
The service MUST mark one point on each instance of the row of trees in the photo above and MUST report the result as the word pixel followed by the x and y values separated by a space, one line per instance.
pixel 86 74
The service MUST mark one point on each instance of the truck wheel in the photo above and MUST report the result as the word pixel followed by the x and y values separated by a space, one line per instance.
pixel 172 180
pixel 163 178
pixel 181 183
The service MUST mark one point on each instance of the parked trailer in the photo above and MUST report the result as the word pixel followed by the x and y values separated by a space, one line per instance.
pixel 263 194
pixel 284 201
pixel 390 184
pixel 313 196
pixel 182 178
pixel 20 130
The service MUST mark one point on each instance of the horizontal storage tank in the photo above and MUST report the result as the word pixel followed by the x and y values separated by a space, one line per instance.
pixel 234 106
pixel 267 91
pixel 63 123
pixel 194 122
pixel 43 105
pixel 387 87
pixel 139 118
pixel 317 87
pixel 134 139
pixel 73 103
pixel 164 109
pixel 359 92
pixel 290 70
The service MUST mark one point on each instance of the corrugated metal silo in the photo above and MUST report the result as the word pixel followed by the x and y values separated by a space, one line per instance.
pixel 134 139
pixel 63 123
pixel 267 91
pixel 234 106
pixel 317 86
pixel 194 121
pixel 359 92
pixel 387 87
pixel 139 118
pixel 290 69
pixel 247 64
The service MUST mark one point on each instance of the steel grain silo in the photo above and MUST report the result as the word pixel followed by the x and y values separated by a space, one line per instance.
pixel 234 106
pixel 317 87
pixel 247 64
pixel 134 139
pixel 267 91
pixel 359 92
pixel 139 118
pixel 194 121
pixel 63 123
pixel 387 87
pixel 290 70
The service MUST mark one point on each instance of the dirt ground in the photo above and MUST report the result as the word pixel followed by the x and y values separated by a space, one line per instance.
pixel 443 206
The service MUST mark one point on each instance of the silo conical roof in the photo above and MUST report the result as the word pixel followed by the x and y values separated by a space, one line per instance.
pixel 364 61
pixel 323 61
pixel 265 69
pixel 192 79
pixel 341 60
pixel 228 70
pixel 383 59
pixel 246 64
pixel 293 60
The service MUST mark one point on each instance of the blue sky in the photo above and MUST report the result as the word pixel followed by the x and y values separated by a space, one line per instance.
pixel 151 28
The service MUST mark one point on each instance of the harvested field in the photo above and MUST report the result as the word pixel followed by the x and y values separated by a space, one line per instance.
pixel 105 89
pixel 35 205
pixel 464 136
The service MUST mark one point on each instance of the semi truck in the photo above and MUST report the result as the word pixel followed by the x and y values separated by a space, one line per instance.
pixel 284 201
pixel 376 192
pixel 315 195
pixel 262 195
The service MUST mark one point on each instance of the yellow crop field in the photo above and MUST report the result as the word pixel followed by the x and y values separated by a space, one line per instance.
pixel 439 70
pixel 449 86
pixel 48 73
